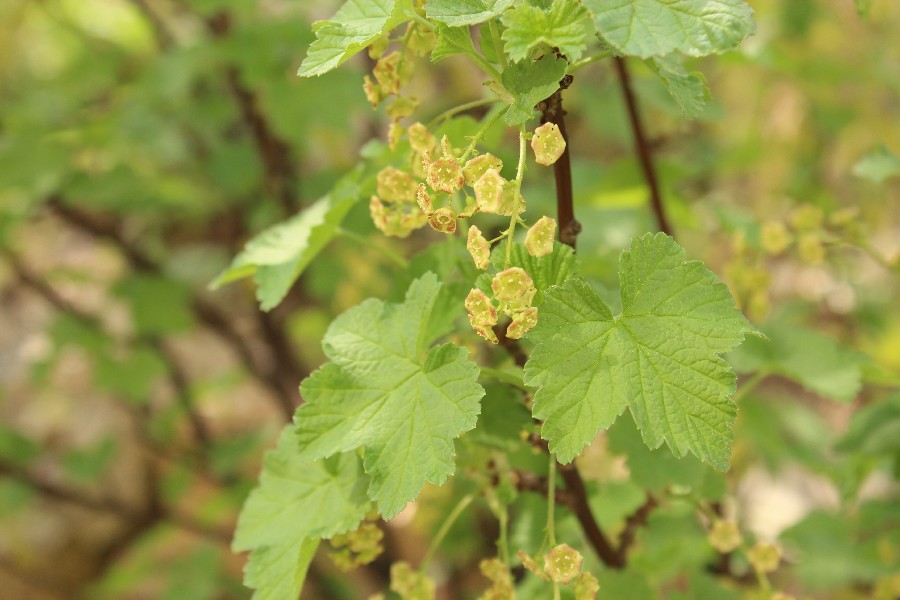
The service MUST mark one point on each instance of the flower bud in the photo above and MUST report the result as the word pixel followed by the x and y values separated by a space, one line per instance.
pixel 478 247
pixel 539 239
pixel 548 144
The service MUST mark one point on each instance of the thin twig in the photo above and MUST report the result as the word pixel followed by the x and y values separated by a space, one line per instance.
pixel 266 372
pixel 108 505
pixel 634 521
pixel 276 155
pixel 177 376
pixel 582 509
pixel 552 112
pixel 645 154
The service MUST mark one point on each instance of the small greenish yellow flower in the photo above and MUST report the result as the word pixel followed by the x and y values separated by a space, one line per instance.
pixel 548 144
pixel 489 191
pixel 443 220
pixel 478 166
pixel 562 563
pixel 764 557
pixel 724 536
pixel 539 239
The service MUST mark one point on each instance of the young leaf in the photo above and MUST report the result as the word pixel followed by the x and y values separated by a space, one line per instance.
pixel 529 82
pixel 687 89
pixel 277 256
pixel 657 27
pixel 457 13
pixel 355 25
pixel 450 41
pixel 386 392
pixel 565 25
pixel 297 501
pixel 660 357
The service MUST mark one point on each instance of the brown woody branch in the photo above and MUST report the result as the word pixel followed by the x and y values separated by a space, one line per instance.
pixel 155 512
pixel 552 112
pixel 643 147
pixel 281 177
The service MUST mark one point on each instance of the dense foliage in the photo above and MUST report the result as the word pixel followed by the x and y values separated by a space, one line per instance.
pixel 584 299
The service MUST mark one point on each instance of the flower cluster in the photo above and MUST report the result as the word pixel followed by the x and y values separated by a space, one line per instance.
pixel 514 292
pixel 359 547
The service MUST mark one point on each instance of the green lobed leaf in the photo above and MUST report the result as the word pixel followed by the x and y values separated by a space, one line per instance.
pixel 457 13
pixel 277 256
pixel 356 24
pixel 687 89
pixel 451 41
pixel 660 358
pixel 386 392
pixel 530 82
pixel 648 28
pixel 297 501
pixel 565 25
pixel 879 165
pixel 814 360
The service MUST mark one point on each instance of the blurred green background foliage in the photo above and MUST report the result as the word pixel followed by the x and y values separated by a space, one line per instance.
pixel 143 142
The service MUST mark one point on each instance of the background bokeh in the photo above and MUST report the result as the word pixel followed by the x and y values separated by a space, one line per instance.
pixel 142 142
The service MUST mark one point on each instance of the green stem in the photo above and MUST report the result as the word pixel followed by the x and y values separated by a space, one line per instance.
pixel 396 259
pixel 551 502
pixel 514 379
pixel 749 385
pixel 551 517
pixel 495 36
pixel 489 122
pixel 503 542
pixel 419 18
pixel 487 67
pixel 445 528
pixel 520 174
pixel 588 60
pixel 459 109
